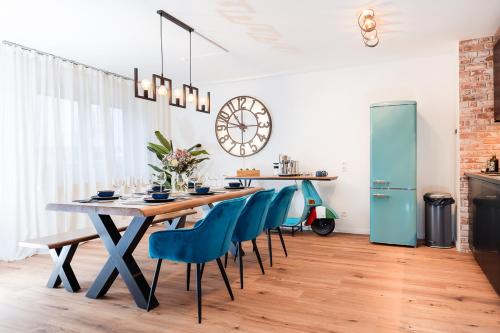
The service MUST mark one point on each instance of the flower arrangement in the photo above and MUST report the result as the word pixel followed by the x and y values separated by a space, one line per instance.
pixel 182 162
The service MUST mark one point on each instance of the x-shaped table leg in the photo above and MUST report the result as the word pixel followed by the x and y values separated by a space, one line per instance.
pixel 121 261
pixel 62 271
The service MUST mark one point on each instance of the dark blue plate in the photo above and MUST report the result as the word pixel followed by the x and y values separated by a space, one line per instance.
pixel 149 199
pixel 95 197
pixel 195 193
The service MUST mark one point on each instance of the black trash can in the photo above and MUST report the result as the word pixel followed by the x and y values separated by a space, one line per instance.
pixel 439 230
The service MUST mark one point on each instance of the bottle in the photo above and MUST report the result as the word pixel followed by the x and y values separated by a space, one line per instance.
pixel 493 164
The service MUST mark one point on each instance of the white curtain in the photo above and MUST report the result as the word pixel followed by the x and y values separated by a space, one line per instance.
pixel 65 131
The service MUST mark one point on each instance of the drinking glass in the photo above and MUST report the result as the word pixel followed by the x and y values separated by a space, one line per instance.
pixel 161 177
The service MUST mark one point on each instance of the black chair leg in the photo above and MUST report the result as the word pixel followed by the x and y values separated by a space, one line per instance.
pixel 198 290
pixel 202 270
pixel 188 275
pixel 237 253
pixel 226 280
pixel 257 253
pixel 282 241
pixel 225 260
pixel 293 231
pixel 240 257
pixel 153 286
pixel 270 246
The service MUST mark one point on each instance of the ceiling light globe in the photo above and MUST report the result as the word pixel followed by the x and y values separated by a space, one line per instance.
pixel 162 90
pixel 368 25
pixel 145 84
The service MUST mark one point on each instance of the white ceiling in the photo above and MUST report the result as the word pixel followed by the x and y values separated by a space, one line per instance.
pixel 264 37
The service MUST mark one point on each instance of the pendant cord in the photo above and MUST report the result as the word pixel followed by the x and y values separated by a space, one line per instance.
pixel 161 44
pixel 190 83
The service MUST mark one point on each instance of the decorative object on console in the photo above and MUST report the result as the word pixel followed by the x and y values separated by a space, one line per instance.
pixel 243 126
pixel 181 162
pixel 247 173
pixel 367 24
pixel 288 167
pixel 161 85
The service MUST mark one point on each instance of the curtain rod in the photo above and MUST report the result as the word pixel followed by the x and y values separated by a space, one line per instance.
pixel 64 59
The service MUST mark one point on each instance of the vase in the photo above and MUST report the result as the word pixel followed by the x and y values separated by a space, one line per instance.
pixel 179 183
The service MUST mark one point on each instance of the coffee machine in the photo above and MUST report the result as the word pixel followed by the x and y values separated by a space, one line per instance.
pixel 287 166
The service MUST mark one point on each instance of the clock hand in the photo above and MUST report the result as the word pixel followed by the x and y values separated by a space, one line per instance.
pixel 236 117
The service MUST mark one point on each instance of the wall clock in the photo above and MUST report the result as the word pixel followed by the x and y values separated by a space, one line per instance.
pixel 243 126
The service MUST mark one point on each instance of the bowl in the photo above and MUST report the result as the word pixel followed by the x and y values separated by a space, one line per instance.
pixel 234 184
pixel 105 193
pixel 156 188
pixel 159 195
pixel 202 189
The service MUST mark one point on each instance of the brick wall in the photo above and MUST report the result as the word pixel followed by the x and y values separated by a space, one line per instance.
pixel 479 134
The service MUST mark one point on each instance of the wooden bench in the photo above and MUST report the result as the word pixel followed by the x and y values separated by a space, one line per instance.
pixel 62 247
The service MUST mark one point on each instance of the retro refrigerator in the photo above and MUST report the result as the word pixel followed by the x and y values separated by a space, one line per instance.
pixel 393 157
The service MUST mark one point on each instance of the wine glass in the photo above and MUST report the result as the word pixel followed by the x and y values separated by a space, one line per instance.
pixel 132 185
pixel 144 184
pixel 161 177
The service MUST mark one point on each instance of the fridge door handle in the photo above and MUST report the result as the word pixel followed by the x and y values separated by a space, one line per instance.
pixel 380 195
pixel 380 181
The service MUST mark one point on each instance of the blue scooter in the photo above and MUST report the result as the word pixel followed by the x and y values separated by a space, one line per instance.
pixel 320 217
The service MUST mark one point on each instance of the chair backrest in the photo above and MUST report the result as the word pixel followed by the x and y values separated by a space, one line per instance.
pixel 217 229
pixel 278 209
pixel 252 217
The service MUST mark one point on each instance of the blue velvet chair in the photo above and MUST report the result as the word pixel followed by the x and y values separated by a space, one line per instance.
pixel 277 214
pixel 250 225
pixel 207 241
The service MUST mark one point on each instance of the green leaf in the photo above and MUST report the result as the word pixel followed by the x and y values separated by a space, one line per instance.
pixel 166 143
pixel 158 148
pixel 199 160
pixel 198 145
pixel 199 152
pixel 155 168
pixel 158 155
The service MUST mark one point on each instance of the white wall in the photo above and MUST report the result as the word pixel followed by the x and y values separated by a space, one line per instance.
pixel 322 120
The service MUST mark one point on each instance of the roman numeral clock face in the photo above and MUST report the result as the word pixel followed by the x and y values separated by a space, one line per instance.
pixel 243 126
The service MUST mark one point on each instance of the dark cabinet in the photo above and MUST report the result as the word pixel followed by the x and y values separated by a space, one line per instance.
pixel 484 228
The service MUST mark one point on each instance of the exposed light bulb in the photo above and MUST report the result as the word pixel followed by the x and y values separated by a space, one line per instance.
pixel 203 100
pixel 369 24
pixel 177 93
pixel 190 98
pixel 162 90
pixel 145 84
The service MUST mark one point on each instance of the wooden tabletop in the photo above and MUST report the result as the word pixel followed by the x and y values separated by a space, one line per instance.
pixel 285 178
pixel 124 209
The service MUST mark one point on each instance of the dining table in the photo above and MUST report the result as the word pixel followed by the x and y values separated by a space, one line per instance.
pixel 121 247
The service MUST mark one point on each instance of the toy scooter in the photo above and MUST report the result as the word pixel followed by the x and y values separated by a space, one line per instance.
pixel 320 217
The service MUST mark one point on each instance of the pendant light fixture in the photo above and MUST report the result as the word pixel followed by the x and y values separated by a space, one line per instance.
pixel 161 86
pixel 367 24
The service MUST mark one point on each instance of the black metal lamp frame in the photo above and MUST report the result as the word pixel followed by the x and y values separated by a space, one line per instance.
pixel 159 80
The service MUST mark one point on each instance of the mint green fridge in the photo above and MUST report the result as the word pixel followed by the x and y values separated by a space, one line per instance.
pixel 393 174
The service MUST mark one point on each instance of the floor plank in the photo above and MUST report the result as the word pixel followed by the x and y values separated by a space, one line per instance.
pixel 334 284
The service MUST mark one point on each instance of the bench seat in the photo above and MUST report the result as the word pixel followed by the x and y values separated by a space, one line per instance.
pixel 62 246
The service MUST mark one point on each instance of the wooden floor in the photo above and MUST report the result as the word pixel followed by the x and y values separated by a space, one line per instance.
pixel 335 284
